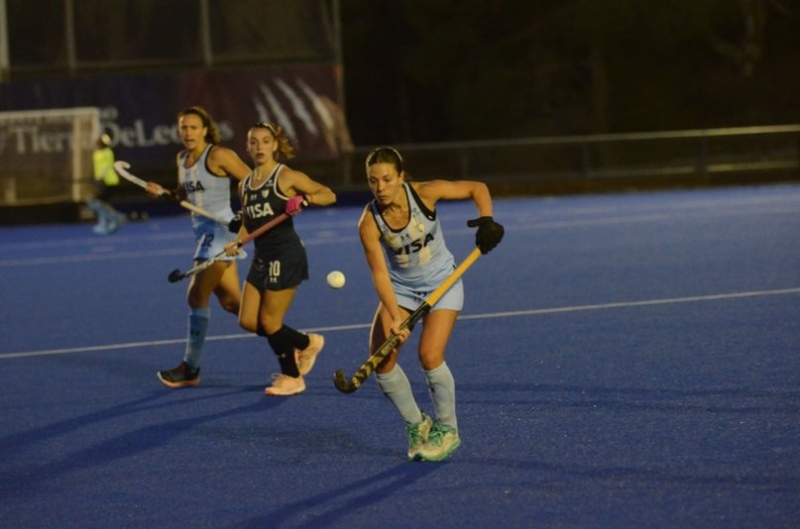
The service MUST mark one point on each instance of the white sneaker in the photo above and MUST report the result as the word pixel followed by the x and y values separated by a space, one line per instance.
pixel 284 386
pixel 308 356
pixel 442 441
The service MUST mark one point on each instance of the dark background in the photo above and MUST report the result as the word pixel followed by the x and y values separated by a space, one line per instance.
pixel 454 70
pixel 450 70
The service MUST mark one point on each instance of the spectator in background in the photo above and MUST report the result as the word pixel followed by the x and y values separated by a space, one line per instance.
pixel 105 182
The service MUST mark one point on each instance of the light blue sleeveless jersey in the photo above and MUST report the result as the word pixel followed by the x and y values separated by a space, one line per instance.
pixel 204 189
pixel 213 194
pixel 418 257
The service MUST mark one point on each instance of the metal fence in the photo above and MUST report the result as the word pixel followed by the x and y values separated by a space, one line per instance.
pixel 575 163
pixel 100 36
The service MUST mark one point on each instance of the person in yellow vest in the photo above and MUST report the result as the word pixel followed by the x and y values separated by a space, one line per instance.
pixel 106 180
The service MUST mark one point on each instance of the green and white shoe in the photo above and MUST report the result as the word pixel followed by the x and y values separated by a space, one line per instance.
pixel 418 435
pixel 442 441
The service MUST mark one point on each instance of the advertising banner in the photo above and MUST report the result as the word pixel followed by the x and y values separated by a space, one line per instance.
pixel 139 111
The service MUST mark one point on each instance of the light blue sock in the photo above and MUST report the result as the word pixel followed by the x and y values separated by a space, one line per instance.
pixel 198 327
pixel 397 388
pixel 442 388
pixel 97 206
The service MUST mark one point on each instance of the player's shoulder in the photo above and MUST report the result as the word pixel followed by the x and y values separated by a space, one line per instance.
pixel 427 186
pixel 289 178
pixel 367 219
pixel 285 172
pixel 223 161
pixel 216 151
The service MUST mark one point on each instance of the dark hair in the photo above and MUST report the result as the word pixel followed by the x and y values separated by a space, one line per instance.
pixel 212 134
pixel 385 155
pixel 285 147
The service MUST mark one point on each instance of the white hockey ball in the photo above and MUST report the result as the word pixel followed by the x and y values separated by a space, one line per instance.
pixel 336 279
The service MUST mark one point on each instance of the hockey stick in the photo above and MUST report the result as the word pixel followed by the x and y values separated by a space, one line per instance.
pixel 122 170
pixel 176 275
pixel 366 369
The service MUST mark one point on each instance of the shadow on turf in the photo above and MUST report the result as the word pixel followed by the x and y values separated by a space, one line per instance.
pixel 350 497
pixel 553 396
pixel 126 445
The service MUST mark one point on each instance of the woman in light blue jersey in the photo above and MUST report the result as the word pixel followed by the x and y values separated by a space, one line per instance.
pixel 204 172
pixel 408 259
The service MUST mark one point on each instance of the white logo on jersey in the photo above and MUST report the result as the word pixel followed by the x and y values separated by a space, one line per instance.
pixel 256 211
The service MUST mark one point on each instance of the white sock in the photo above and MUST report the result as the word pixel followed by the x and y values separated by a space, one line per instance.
pixel 397 388
pixel 442 388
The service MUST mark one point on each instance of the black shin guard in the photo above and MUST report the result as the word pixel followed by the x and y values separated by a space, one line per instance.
pixel 299 340
pixel 282 343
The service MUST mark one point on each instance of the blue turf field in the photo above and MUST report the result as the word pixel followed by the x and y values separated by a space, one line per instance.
pixel 622 361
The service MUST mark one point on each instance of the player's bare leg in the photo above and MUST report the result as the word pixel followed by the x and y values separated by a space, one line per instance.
pixel 227 289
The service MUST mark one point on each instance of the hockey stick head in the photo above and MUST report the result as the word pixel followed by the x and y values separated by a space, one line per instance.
pixel 175 276
pixel 343 385
pixel 366 369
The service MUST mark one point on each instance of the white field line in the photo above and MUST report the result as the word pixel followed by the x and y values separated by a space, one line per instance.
pixel 506 314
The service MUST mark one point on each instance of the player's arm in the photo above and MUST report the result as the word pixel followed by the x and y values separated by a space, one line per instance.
pixel 489 233
pixel 370 240
pixel 157 190
pixel 236 225
pixel 224 162
pixel 435 190
pixel 294 183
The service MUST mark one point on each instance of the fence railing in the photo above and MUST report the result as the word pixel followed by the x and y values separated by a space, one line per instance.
pixel 683 156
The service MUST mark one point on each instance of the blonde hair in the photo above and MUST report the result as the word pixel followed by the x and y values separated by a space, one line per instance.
pixel 285 147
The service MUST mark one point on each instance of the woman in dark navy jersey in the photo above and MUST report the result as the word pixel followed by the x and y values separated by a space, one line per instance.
pixel 280 263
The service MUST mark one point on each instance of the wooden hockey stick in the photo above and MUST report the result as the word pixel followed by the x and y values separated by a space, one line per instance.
pixel 122 170
pixel 366 369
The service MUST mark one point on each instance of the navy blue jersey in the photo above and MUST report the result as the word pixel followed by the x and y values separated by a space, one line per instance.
pixel 263 203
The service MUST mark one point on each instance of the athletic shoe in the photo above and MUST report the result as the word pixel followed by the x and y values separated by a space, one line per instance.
pixel 307 357
pixel 180 377
pixel 284 385
pixel 418 435
pixel 442 441
pixel 117 220
pixel 114 226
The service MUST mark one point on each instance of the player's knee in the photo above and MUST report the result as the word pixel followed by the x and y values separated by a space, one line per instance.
pixel 231 305
pixel 196 298
pixel 249 325
pixel 430 358
pixel 269 326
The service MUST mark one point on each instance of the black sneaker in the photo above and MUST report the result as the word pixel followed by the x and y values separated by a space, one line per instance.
pixel 180 377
